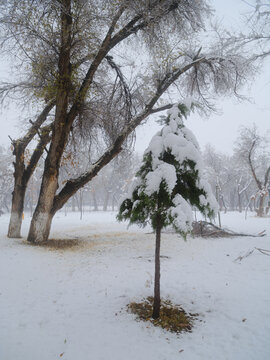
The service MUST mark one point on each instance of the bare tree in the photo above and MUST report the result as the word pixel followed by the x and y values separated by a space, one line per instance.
pixel 230 178
pixel 72 47
pixel 259 24
pixel 251 147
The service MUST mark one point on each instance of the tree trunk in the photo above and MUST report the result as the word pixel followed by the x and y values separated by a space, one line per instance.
pixel 239 200
pixel 40 227
pixel 23 174
pixel 106 201
pixel 81 204
pixel 223 202
pixel 95 201
pixel 156 305
pixel 260 211
pixel 15 222
pixel 248 200
pixel 42 218
pixel 73 207
pixel 21 179
pixel 113 202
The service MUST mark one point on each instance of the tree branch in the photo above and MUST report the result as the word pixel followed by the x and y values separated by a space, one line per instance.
pixel 24 141
pixel 74 184
pixel 266 176
pixel 251 165
pixel 45 138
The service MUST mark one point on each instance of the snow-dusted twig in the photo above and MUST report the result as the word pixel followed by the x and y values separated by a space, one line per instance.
pixel 263 251
pixel 248 253
pixel 241 257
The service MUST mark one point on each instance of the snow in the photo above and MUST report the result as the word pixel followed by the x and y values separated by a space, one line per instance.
pixel 70 304
pixel 182 214
pixel 154 178
pixel 184 147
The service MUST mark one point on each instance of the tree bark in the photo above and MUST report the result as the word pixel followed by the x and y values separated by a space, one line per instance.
pixel 156 304
pixel 15 222
pixel 42 218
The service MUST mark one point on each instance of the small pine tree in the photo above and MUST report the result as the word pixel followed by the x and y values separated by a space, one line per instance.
pixel 169 181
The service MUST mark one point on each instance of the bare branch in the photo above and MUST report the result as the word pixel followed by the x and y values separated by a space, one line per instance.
pixel 73 185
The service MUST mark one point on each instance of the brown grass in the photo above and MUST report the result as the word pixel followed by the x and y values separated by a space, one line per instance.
pixel 172 317
pixel 58 244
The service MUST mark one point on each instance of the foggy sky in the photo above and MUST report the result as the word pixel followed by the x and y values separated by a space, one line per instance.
pixel 221 130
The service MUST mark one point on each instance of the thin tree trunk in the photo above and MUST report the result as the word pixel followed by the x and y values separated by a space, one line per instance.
pixel 81 204
pixel 73 207
pixel 113 202
pixel 239 200
pixel 156 305
pixel 223 202
pixel 95 201
pixel 106 201
pixel 260 211
pixel 248 200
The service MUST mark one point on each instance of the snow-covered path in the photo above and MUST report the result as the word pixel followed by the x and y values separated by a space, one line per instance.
pixel 70 304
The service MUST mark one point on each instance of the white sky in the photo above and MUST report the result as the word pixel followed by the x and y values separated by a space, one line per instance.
pixel 217 130
pixel 221 130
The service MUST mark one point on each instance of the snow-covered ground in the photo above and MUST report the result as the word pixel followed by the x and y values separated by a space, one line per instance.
pixel 70 304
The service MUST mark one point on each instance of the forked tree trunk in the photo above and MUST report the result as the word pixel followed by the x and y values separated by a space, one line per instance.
pixel 156 305
pixel 22 174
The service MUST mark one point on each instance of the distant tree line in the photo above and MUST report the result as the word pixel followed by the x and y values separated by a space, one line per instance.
pixel 239 181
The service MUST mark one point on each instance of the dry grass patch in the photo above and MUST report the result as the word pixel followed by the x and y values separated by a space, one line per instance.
pixel 172 317
pixel 58 244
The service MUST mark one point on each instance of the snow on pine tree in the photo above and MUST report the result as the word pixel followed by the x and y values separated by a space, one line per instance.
pixel 169 182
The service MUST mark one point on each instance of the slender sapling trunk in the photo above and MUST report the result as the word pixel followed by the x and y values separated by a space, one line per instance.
pixel 156 305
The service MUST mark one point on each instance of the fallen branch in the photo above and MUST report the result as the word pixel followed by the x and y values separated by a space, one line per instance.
pixel 208 229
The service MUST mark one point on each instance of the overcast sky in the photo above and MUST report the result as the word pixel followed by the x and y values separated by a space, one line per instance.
pixel 221 130
pixel 217 130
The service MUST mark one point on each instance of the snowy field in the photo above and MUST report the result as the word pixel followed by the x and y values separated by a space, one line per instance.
pixel 70 303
